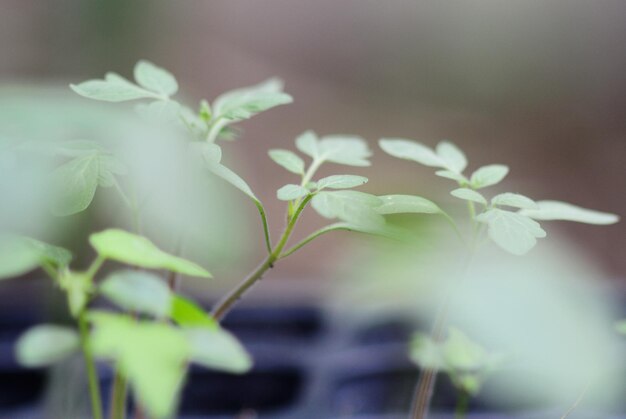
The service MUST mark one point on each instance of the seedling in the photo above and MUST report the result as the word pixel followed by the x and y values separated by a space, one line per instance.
pixel 511 222
pixel 157 331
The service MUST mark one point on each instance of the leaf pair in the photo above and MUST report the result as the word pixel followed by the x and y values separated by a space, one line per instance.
pixel 152 82
pixel 447 157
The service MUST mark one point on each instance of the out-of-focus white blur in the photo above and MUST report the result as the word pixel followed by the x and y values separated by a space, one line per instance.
pixel 179 204
pixel 549 313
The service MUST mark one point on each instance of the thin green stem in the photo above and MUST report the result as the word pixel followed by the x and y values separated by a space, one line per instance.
pixel 266 230
pixel 118 395
pixel 95 266
pixel 313 236
pixel 226 304
pixel 90 366
pixel 462 405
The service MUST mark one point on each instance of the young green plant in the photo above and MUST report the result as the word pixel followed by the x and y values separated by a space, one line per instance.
pixel 511 221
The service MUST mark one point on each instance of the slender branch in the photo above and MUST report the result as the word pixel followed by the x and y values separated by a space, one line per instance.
pixel 226 304
pixel 314 235
pixel 118 395
pixel 90 366
pixel 95 266
pixel 266 230
pixel 462 405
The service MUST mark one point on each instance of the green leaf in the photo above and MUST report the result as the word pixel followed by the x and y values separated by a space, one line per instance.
pixel 19 255
pixel 307 143
pixel 212 153
pixel 411 150
pixel 233 178
pixel 488 175
pixel 155 78
pixel 341 182
pixel 217 349
pixel 512 231
pixel 129 248
pixel 290 192
pixel 55 256
pixel 513 200
pixel 451 175
pixel 557 210
pixel 351 206
pixel 399 204
pixel 452 156
pixel 78 286
pixel 245 102
pixel 151 355
pixel 288 159
pixel 186 313
pixel 469 195
pixel 460 353
pixel 108 167
pixel 75 185
pixel 340 149
pixel 45 345
pixel 138 291
pixel 425 352
pixel 113 88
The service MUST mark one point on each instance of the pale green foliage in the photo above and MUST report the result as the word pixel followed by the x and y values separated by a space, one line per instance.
pixel 187 313
pixel 45 345
pixel 131 249
pixel 244 103
pixel 78 287
pixel 556 210
pixel 354 207
pixel 218 349
pixel 446 156
pixel 213 156
pixel 512 231
pixel 290 192
pixel 515 232
pixel 341 182
pixel 151 355
pixel 488 175
pixel 341 149
pixel 75 185
pixel 288 159
pixel 19 255
pixel 76 181
pixel 398 204
pixel 155 79
pixel 155 82
pixel 139 292
pixel 513 200
pixel 469 195
pixel 467 363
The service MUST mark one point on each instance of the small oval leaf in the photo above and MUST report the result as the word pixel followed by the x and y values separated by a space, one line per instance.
pixel 138 291
pixel 45 345
pixel 129 248
pixel 287 159
pixel 488 175
pixel 341 182
pixel 469 195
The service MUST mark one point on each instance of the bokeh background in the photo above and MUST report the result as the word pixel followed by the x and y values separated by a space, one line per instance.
pixel 540 86
pixel 537 85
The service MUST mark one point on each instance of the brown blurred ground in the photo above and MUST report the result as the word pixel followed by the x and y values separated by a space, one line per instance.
pixel 538 85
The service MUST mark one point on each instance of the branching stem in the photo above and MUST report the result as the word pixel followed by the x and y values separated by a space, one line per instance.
pixel 227 303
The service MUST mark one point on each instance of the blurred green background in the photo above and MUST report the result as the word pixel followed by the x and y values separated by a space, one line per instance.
pixel 537 85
